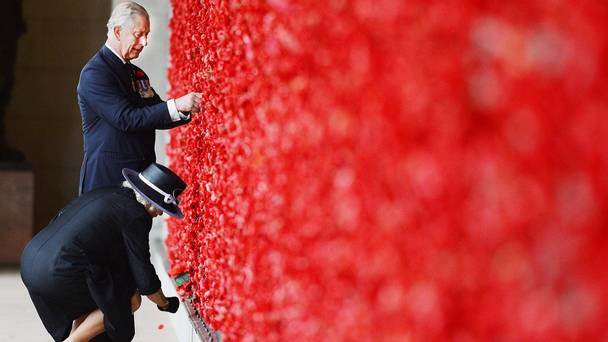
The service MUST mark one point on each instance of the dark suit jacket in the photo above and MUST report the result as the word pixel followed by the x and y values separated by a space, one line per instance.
pixel 117 123
pixel 93 254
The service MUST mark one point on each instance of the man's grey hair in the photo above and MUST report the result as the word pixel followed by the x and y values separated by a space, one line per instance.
pixel 123 14
pixel 138 197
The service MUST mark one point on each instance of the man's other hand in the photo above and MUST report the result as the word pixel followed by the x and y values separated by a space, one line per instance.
pixel 189 103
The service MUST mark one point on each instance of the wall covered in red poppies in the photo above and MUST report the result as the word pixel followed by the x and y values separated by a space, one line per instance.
pixel 385 170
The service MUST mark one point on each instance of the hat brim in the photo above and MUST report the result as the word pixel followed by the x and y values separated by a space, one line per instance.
pixel 150 194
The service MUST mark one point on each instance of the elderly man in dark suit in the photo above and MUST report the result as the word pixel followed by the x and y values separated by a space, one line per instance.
pixel 86 270
pixel 120 110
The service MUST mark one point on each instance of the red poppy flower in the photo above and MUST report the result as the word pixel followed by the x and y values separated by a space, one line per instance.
pixel 393 170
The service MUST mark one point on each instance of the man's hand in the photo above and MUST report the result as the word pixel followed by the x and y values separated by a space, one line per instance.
pixel 189 103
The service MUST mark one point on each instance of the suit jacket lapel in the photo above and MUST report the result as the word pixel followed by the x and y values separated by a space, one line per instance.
pixel 118 68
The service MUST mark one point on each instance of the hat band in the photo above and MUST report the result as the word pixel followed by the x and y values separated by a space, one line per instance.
pixel 169 199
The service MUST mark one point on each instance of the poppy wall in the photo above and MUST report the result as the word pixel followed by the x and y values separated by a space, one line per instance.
pixel 387 170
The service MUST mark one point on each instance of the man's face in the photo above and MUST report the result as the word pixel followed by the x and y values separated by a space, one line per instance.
pixel 134 37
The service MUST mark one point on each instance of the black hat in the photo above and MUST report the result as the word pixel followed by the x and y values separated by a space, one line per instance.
pixel 159 185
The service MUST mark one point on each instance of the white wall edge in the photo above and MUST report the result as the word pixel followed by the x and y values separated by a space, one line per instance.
pixel 188 325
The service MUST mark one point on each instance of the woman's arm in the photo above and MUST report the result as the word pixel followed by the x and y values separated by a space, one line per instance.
pixel 135 236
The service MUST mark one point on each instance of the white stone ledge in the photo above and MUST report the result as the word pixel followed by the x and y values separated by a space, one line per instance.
pixel 188 325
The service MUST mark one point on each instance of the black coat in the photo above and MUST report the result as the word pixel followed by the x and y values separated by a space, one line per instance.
pixel 93 254
pixel 118 123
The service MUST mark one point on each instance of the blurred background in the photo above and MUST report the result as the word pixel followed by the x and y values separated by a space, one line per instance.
pixel 54 41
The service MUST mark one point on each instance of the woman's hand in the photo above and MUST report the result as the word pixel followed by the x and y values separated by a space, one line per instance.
pixel 168 304
pixel 171 306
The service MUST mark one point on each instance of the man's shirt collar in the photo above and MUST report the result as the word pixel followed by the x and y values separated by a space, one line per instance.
pixel 117 55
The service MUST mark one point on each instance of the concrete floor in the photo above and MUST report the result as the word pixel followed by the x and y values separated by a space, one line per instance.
pixel 19 320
